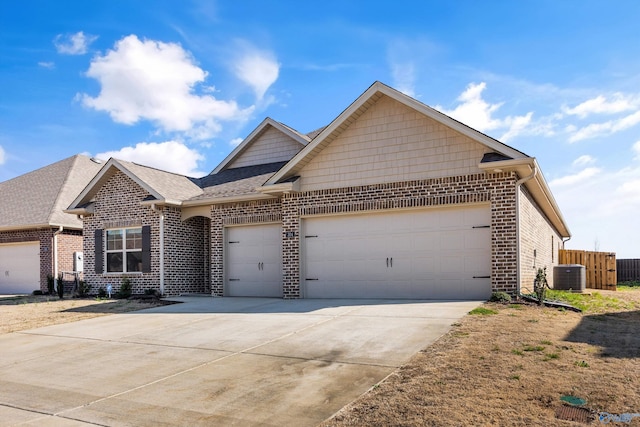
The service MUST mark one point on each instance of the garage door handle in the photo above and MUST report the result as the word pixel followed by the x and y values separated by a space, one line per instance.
pixel 482 277
pixel 308 278
pixel 234 280
pixel 391 262
pixel 387 262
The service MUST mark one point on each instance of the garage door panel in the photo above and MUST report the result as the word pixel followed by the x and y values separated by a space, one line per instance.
pixel 19 267
pixel 254 260
pixel 431 253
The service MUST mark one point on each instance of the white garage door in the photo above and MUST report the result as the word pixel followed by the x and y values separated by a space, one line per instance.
pixel 422 254
pixel 19 268
pixel 254 261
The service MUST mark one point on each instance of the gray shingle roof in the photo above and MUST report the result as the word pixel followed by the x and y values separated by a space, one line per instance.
pixel 170 186
pixel 240 187
pixel 37 198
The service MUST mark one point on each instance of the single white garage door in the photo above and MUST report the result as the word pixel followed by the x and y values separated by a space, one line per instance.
pixel 254 261
pixel 438 253
pixel 19 268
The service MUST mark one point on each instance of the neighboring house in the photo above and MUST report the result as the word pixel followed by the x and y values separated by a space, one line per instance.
pixel 392 199
pixel 36 237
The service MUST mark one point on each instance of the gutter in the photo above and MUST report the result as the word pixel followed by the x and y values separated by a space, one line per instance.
pixel 161 213
pixel 518 185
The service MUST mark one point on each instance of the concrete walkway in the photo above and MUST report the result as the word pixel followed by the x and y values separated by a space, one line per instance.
pixel 213 361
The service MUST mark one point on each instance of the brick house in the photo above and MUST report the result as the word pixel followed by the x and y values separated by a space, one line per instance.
pixel 36 237
pixel 392 199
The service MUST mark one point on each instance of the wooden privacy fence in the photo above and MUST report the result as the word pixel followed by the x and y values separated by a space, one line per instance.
pixel 628 270
pixel 600 267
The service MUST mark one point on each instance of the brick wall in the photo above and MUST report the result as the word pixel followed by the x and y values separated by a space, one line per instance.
pixel 496 189
pixel 68 242
pixel 117 204
pixel 539 242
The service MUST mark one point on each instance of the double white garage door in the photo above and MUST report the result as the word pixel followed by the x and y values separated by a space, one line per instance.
pixel 19 268
pixel 412 254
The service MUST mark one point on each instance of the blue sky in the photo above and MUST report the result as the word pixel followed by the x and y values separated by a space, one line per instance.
pixel 175 84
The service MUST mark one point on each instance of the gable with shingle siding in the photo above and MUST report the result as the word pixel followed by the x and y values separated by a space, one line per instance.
pixel 391 142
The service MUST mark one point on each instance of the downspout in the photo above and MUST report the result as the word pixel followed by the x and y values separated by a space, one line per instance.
pixel 161 213
pixel 55 251
pixel 518 185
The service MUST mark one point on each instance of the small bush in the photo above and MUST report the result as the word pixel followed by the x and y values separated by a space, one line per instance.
pixel 60 286
pixel 102 293
pixel 83 288
pixel 51 284
pixel 37 292
pixel 125 289
pixel 500 297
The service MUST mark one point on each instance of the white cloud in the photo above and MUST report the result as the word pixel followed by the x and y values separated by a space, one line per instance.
pixel 601 206
pixel 583 160
pixel 73 44
pixel 601 105
pixel 48 65
pixel 3 157
pixel 257 68
pixel 636 150
pixel 172 156
pixel 235 142
pixel 575 178
pixel 606 128
pixel 403 75
pixel 477 113
pixel 155 81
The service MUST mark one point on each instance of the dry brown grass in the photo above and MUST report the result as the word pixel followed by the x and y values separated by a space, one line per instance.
pixel 27 312
pixel 512 368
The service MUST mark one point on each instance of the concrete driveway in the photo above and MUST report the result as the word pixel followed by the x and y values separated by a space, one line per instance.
pixel 214 361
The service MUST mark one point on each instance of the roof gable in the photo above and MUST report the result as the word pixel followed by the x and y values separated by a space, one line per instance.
pixel 360 106
pixel 164 187
pixel 270 142
pixel 37 198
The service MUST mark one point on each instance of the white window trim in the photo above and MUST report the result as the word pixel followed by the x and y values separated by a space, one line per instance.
pixel 124 251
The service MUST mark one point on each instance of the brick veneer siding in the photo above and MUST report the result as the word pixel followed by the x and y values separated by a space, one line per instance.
pixel 69 241
pixel 539 242
pixel 255 212
pixel 495 189
pixel 117 204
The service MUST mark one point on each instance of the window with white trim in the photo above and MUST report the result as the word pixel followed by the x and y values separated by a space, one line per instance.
pixel 124 250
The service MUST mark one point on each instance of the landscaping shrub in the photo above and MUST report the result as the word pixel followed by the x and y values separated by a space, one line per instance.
pixel 500 297
pixel 60 286
pixel 125 289
pixel 83 288
pixel 102 293
pixel 50 284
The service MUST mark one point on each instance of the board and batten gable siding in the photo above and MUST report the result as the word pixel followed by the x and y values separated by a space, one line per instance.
pixel 539 242
pixel 391 142
pixel 117 204
pixel 271 146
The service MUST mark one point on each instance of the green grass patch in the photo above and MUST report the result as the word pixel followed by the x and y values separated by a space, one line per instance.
pixel 594 303
pixel 551 356
pixel 533 348
pixel 581 364
pixel 517 352
pixel 546 342
pixel 482 311
pixel 629 285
